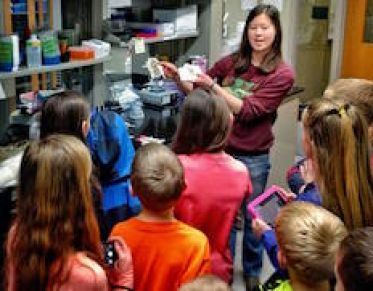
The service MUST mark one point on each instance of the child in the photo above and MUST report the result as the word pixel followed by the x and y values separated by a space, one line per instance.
pixel 216 183
pixel 358 92
pixel 335 140
pixel 68 112
pixel 206 283
pixel 166 252
pixel 354 263
pixel 308 238
pixel 54 243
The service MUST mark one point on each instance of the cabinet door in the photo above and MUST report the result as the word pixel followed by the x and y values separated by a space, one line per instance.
pixel 358 45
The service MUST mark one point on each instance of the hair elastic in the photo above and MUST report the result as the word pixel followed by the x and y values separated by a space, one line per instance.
pixel 342 111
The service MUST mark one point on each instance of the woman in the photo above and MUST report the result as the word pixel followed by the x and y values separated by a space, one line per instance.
pixel 54 243
pixel 257 68
pixel 216 182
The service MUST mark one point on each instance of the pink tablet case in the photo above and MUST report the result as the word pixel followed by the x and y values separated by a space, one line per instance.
pixel 251 207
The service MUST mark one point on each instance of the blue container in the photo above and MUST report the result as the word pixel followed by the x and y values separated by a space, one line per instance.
pixel 6 67
pixel 50 49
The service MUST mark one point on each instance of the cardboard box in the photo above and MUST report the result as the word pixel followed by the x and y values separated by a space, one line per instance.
pixel 184 19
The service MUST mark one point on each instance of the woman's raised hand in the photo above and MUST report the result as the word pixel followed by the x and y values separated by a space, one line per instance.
pixel 204 81
pixel 170 70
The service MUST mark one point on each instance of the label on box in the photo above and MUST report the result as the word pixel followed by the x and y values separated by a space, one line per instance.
pixel 139 45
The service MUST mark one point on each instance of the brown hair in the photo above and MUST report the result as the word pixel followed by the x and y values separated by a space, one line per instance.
pixel 55 215
pixel 204 126
pixel 206 283
pixel 340 152
pixel 309 236
pixel 157 177
pixel 274 57
pixel 355 91
pixel 356 264
pixel 64 112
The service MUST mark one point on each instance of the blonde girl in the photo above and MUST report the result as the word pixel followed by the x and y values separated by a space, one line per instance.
pixel 336 141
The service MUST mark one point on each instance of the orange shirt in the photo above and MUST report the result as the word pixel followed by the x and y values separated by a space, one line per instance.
pixel 165 254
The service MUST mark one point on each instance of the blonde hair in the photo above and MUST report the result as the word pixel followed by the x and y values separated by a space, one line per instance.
pixel 309 236
pixel 358 92
pixel 157 177
pixel 206 283
pixel 340 151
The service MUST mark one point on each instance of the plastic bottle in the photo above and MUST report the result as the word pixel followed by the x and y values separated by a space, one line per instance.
pixel 51 51
pixel 33 52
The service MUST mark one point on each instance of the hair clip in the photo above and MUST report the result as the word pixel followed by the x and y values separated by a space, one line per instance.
pixel 342 111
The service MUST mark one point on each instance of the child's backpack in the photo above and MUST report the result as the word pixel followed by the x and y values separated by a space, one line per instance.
pixel 112 153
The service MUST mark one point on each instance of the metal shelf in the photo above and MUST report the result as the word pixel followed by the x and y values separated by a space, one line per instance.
pixel 24 71
pixel 166 38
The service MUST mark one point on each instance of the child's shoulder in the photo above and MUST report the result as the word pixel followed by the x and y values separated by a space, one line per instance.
pixel 124 225
pixel 190 233
pixel 236 164
pixel 212 159
pixel 85 272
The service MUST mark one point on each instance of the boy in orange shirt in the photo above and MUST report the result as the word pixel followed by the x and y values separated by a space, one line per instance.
pixel 166 252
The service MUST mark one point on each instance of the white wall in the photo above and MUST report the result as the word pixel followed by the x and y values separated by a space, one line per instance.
pixel 340 9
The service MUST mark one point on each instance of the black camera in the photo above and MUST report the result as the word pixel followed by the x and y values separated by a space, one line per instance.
pixel 110 254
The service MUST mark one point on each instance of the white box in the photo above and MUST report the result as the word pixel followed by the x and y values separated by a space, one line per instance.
pixel 164 28
pixel 185 18
pixel 101 48
pixel 119 3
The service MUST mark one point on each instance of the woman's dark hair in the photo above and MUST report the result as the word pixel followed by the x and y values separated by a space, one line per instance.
pixel 204 126
pixel 64 112
pixel 274 56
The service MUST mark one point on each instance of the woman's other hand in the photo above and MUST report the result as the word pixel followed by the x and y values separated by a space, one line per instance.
pixel 122 272
pixel 170 70
pixel 259 227
pixel 204 81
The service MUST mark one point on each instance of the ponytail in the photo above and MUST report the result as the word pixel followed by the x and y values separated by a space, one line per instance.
pixel 340 147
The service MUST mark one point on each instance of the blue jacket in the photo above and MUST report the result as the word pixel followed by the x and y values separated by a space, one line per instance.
pixel 310 194
pixel 112 153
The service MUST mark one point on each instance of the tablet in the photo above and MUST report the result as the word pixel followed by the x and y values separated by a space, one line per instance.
pixel 267 205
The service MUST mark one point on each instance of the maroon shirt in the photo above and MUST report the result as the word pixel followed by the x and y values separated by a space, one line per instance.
pixel 252 127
